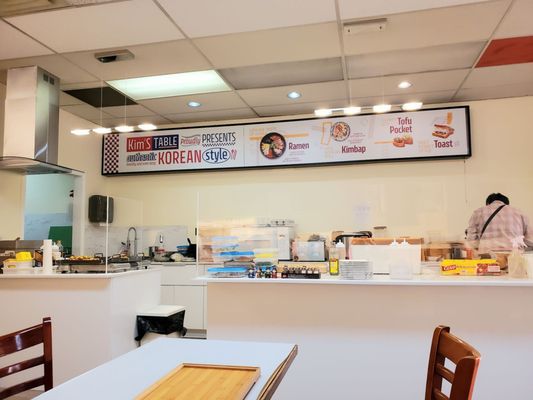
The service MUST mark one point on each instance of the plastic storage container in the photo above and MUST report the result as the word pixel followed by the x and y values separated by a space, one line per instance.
pixel 228 272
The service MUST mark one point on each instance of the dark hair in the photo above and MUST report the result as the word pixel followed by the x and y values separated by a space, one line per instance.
pixel 497 196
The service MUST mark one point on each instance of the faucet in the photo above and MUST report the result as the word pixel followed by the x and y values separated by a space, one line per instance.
pixel 128 242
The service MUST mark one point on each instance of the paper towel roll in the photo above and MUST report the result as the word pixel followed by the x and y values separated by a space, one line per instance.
pixel 47 256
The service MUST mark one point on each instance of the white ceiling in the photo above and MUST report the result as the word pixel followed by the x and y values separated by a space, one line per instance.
pixel 265 49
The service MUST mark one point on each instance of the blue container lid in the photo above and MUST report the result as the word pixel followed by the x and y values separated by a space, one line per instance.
pixel 227 269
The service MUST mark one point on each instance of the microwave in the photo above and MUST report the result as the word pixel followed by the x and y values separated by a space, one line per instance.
pixel 279 237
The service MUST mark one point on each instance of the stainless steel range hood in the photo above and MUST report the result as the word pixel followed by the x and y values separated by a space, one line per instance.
pixel 30 139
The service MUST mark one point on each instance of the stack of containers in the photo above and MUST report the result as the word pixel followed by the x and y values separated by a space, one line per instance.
pixel 223 248
pixel 265 257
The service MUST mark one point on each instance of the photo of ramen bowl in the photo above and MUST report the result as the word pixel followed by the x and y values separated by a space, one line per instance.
pixel 340 131
pixel 272 145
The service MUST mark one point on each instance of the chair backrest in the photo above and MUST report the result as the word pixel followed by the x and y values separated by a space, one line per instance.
pixel 23 339
pixel 446 346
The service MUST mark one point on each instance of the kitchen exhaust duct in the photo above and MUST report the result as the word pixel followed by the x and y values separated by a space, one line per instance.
pixel 31 127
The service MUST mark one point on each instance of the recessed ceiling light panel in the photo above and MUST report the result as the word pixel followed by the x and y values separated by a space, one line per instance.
pixel 151 87
pixel 405 85
pixel 194 104
pixel 294 95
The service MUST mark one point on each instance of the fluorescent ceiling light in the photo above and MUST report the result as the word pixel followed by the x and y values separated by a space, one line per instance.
pixel 124 128
pixel 151 87
pixel 293 95
pixel 194 104
pixel 80 132
pixel 147 127
pixel 412 106
pixel 351 110
pixel 323 112
pixel 405 85
pixel 102 130
pixel 381 108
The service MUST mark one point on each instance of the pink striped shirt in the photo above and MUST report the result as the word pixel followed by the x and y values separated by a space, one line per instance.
pixel 507 225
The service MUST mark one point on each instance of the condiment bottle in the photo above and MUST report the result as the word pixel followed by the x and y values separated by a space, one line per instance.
pixel 341 249
pixel 333 261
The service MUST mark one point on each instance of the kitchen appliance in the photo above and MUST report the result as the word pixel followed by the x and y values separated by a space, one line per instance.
pixel 253 237
pixel 346 238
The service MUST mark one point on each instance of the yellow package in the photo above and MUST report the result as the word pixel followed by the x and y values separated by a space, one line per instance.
pixel 23 256
pixel 469 267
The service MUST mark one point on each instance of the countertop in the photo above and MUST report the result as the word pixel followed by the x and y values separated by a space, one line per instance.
pixel 385 280
pixel 79 275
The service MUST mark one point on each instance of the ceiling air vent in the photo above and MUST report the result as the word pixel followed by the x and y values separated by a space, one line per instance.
pixel 357 27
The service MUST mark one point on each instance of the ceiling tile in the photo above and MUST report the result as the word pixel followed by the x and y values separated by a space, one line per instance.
pixel 500 75
pixel 55 64
pixel 221 115
pixel 397 99
pixel 86 111
pixel 421 83
pixel 518 21
pixel 469 23
pixel 16 44
pixel 364 9
pixel 495 92
pixel 278 95
pixel 231 16
pixel 435 58
pixel 209 101
pixel 517 50
pixel 283 74
pixel 154 59
pixel 130 111
pixel 297 109
pixel 99 26
pixel 308 42
pixel 153 119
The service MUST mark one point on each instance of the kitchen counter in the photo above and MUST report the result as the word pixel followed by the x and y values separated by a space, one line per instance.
pixel 93 315
pixel 385 280
pixel 111 275
pixel 345 329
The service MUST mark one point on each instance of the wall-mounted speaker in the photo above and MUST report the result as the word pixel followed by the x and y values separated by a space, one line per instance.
pixel 98 209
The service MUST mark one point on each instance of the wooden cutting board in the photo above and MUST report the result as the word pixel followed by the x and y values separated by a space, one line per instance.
pixel 203 382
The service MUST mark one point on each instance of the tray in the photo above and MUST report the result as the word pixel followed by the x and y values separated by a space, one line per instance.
pixel 203 381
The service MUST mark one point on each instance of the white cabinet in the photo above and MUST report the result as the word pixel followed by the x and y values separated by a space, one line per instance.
pixel 192 297
pixel 179 287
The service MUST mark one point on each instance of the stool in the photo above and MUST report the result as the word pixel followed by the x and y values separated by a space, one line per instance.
pixel 162 319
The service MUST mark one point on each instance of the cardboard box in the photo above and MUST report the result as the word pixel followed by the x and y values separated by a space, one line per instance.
pixel 470 267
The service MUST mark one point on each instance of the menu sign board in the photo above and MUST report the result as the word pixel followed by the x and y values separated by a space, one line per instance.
pixel 396 136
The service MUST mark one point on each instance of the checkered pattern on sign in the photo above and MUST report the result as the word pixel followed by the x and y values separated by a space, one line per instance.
pixel 111 154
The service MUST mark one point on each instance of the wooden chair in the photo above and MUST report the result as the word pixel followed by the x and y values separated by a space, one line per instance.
pixel 446 346
pixel 23 339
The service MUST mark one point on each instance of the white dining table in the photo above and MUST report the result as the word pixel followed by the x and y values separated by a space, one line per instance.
pixel 129 375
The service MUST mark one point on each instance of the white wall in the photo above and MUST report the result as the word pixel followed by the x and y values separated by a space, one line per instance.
pixel 427 198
